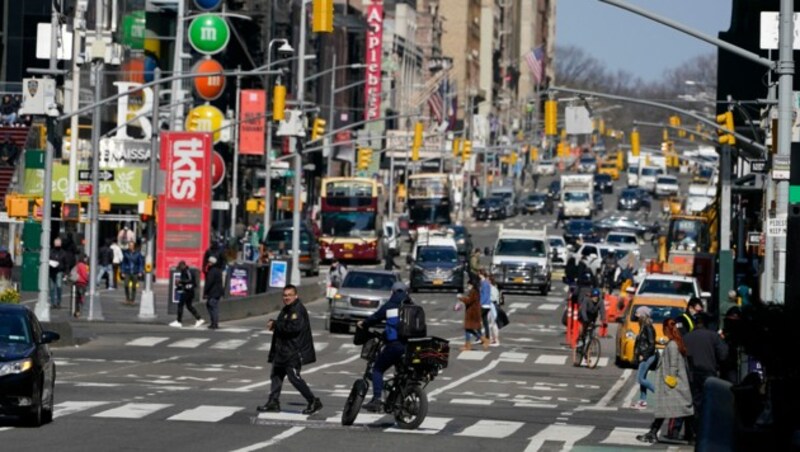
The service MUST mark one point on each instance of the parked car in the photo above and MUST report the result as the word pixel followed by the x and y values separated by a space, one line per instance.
pixel 363 291
pixel 546 167
pixel 437 267
pixel 490 209
pixel 618 223
pixel 633 199
pixel 279 241
pixel 463 240
pixel 580 230
pixel 27 368
pixel 533 203
pixel 603 183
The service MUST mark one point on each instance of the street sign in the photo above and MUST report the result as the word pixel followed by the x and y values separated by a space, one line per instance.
pixel 758 166
pixel 85 189
pixel 103 175
pixel 776 227
pixel 780 167
pixel 754 238
pixel 769 35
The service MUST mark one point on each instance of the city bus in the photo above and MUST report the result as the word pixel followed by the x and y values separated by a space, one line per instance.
pixel 351 219
pixel 429 201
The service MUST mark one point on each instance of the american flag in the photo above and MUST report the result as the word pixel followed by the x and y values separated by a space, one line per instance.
pixel 436 104
pixel 535 61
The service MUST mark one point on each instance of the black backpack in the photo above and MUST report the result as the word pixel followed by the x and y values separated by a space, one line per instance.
pixel 411 321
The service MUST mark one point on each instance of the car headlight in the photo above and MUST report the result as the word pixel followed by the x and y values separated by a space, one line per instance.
pixel 630 335
pixel 461 241
pixel 16 367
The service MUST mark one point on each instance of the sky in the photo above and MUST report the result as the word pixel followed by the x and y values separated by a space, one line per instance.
pixel 633 43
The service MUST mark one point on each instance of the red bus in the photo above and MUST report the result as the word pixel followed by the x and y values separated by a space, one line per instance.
pixel 352 215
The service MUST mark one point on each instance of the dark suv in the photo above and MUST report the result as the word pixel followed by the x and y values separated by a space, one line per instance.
pixel 279 242
pixel 437 267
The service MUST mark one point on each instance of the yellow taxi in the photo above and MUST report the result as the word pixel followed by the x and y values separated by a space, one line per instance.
pixel 661 308
pixel 609 167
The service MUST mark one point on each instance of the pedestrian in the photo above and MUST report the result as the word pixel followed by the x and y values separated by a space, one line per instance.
pixel 388 257
pixel 186 284
pixel 706 352
pixel 475 266
pixel 336 273
pixel 672 395
pixel 79 276
pixel 105 264
pixel 8 151
pixel 8 111
pixel 217 251
pixel 213 291
pixel 485 290
pixel 472 315
pixel 125 237
pixel 132 269
pixel 686 321
pixel 58 266
pixel 116 261
pixel 494 328
pixel 535 179
pixel 6 263
pixel 644 351
pixel 292 347
pixel 561 219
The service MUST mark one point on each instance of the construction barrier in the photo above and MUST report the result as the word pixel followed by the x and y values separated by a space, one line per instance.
pixel 573 324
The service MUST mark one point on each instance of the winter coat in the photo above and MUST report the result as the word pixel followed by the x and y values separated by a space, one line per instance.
pixel 472 310
pixel 292 344
pixel 214 287
pixel 645 345
pixel 390 314
pixel 132 263
pixel 705 350
pixel 60 256
pixel 117 254
pixel 677 401
pixel 105 256
pixel 83 274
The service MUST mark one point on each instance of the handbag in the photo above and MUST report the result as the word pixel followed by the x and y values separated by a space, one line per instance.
pixel 671 381
pixel 502 317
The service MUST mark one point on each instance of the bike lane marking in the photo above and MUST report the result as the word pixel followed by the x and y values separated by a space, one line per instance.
pixel 463 379
pixel 602 404
pixel 275 440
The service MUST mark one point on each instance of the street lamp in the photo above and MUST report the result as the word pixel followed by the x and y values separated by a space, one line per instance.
pixel 284 48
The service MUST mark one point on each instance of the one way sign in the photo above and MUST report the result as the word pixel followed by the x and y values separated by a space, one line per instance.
pixel 104 175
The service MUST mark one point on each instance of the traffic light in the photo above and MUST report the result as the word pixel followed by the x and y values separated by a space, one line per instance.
pixel 322 18
pixel 318 129
pixel 418 129
pixel 147 208
pixel 456 146
pixel 71 211
pixel 560 149
pixel 16 206
pixel 601 126
pixel 364 159
pixel 635 145
pixel 254 205
pixel 278 102
pixel 104 203
pixel 466 151
pixel 551 117
pixel 725 120
pixel 38 208
pixel 675 121
pixel 564 134
pixel 665 134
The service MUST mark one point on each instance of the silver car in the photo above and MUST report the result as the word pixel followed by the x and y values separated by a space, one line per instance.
pixel 362 292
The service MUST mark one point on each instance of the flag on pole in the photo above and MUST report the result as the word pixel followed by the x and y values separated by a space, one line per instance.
pixel 436 104
pixel 535 61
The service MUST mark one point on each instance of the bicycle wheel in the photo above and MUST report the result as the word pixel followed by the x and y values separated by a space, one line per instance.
pixel 593 353
pixel 412 409
pixel 578 353
pixel 354 401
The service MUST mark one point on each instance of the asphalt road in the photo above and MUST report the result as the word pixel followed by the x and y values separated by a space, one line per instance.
pixel 151 387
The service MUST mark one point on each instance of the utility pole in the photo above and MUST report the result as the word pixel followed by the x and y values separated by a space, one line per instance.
pixel 77 27
pixel 147 305
pixel 298 158
pixel 95 309
pixel 331 118
pixel 235 180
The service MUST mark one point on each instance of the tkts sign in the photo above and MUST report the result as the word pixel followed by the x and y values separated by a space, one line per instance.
pixel 372 90
pixel 184 210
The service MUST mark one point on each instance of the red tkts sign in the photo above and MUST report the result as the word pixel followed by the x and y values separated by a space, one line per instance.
pixel 184 210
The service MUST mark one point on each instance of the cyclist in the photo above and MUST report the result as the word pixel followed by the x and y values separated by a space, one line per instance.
pixel 591 308
pixel 394 347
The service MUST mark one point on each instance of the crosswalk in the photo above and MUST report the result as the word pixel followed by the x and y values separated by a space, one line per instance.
pixel 534 433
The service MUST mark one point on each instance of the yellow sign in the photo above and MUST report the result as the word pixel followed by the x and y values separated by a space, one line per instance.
pixel 205 118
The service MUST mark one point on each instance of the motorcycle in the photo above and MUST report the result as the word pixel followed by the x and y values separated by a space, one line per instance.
pixel 406 398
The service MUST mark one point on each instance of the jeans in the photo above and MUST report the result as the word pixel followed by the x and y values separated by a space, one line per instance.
pixel 55 289
pixel 641 377
pixel 389 356
pixel 131 281
pixel 293 372
pixel 485 318
pixel 475 334
pixel 213 313
pixel 187 297
pixel 105 270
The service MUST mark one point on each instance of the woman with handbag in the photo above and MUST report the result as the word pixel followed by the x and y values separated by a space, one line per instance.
pixel 644 352
pixel 673 395
pixel 472 315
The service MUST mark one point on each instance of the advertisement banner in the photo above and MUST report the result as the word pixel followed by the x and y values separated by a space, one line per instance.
pixel 372 88
pixel 125 187
pixel 252 105
pixel 184 214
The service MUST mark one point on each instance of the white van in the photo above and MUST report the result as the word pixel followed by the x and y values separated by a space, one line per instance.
pixel 633 175
pixel 648 176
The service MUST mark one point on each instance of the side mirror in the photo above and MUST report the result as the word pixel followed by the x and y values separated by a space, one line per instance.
pixel 705 295
pixel 50 336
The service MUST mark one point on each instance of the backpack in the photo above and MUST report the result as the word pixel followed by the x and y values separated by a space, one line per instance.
pixel 73 275
pixel 411 321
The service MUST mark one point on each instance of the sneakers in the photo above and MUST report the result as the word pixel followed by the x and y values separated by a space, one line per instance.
pixel 494 344
pixel 199 322
pixel 273 406
pixel 313 406
pixel 375 405
pixel 648 437
pixel 176 324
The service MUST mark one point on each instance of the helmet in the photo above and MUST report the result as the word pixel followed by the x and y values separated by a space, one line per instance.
pixel 595 292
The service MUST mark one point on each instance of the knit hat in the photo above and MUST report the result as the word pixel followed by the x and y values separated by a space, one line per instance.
pixel 643 311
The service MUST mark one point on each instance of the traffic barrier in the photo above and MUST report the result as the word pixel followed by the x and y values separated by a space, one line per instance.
pixel 573 324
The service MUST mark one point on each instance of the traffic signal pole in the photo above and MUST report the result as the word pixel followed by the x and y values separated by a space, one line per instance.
pixel 147 305
pixel 298 158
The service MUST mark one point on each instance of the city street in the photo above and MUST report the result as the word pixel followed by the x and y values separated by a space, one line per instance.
pixel 120 387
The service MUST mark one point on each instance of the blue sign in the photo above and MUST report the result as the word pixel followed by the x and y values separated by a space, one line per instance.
pixel 208 5
pixel 277 273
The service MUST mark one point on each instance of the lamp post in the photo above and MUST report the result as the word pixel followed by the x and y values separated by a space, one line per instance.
pixel 298 158
pixel 285 48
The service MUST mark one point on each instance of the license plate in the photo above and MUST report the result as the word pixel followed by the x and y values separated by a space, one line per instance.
pixel 348 246
pixel 438 282
pixel 348 255
pixel 519 280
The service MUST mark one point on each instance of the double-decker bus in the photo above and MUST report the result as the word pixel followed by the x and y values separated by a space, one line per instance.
pixel 429 201
pixel 352 213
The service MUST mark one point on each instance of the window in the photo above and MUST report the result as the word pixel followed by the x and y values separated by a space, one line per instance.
pixel 349 224
pixel 658 313
pixel 576 196
pixel 14 329
pixel 521 247
pixel 437 254
pixel 667 287
pixel 623 239
pixel 372 281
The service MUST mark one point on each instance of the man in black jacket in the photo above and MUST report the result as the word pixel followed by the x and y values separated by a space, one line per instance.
pixel 292 347
pixel 187 282
pixel 705 352
pixel 213 291
pixel 59 266
pixel 686 321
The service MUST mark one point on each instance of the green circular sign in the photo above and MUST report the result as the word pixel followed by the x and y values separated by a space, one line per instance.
pixel 209 34
pixel 133 30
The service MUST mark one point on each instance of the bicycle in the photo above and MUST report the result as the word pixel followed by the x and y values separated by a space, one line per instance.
pixel 587 348
pixel 406 398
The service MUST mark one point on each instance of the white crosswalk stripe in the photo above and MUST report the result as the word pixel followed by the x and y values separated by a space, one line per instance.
pixel 551 359
pixel 430 426
pixel 491 429
pixel 147 341
pixel 229 344
pixel 192 342
pixel 72 407
pixel 206 413
pixel 548 307
pixel 133 410
pixel 472 355
pixel 625 436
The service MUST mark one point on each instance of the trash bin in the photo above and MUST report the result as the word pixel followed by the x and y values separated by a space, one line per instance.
pixel 241 281
pixel 175 293
pixel 30 271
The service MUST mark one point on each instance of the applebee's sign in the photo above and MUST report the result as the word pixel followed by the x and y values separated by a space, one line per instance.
pixel 372 87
